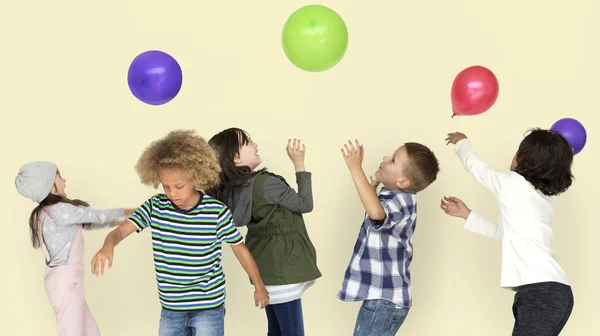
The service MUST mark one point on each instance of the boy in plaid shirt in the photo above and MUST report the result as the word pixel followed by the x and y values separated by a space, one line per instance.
pixel 379 271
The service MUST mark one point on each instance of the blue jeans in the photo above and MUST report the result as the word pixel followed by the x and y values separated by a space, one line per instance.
pixel 210 322
pixel 379 318
pixel 285 319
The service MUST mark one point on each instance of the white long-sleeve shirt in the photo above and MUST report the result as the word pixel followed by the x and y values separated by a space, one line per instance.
pixel 524 226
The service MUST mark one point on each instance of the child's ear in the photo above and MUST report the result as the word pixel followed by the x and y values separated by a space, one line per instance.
pixel 236 158
pixel 403 183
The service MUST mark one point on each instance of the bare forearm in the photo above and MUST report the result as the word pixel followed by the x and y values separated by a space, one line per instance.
pixel 367 194
pixel 247 261
pixel 113 238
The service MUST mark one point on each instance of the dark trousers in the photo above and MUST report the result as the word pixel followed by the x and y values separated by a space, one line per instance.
pixel 285 319
pixel 542 309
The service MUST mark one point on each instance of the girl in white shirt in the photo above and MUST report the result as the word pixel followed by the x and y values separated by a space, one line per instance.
pixel 540 169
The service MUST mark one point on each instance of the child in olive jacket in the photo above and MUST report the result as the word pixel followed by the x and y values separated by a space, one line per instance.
pixel 272 211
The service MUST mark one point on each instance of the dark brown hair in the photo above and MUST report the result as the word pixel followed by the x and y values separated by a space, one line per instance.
pixel 227 145
pixel 423 166
pixel 544 159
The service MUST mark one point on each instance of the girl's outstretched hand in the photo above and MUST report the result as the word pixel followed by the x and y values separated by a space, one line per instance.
pixel 295 151
pixel 453 206
pixel 455 137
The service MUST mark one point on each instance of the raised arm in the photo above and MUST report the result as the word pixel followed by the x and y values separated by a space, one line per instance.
pixel 490 178
pixel 353 156
pixel 276 191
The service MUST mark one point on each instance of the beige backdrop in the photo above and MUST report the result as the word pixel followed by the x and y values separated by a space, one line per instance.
pixel 65 99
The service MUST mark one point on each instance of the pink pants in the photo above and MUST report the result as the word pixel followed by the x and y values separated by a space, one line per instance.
pixel 65 290
pixel 66 293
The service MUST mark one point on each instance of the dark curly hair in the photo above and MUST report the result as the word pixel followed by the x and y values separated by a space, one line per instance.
pixel 544 159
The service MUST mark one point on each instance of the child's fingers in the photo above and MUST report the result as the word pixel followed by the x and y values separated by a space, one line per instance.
pixel 347 150
pixel 94 267
pixel 351 145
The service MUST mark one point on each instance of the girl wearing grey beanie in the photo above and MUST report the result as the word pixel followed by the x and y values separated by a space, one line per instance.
pixel 56 225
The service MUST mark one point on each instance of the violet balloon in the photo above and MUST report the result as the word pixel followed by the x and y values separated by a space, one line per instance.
pixel 573 131
pixel 154 77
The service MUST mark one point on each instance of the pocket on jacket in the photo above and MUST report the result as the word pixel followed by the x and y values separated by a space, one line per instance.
pixel 293 254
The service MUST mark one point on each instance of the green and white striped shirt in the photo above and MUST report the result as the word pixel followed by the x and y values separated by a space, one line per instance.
pixel 187 250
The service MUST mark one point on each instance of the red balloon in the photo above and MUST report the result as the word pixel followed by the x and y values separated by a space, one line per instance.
pixel 474 91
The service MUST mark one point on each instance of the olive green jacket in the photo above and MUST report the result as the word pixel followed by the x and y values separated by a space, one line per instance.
pixel 277 237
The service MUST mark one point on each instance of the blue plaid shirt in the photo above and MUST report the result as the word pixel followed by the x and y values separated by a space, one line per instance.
pixel 380 264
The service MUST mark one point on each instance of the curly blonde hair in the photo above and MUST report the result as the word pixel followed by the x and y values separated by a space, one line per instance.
pixel 182 150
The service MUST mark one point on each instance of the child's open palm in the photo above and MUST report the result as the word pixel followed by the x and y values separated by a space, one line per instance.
pixel 295 151
pixel 453 206
pixel 353 155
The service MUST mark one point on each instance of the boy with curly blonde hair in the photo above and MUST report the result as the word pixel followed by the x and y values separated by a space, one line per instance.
pixel 188 228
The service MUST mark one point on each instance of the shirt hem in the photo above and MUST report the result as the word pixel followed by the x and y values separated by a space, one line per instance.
pixel 356 299
pixel 191 309
pixel 515 285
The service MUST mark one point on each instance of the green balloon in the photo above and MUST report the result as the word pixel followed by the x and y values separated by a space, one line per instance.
pixel 314 38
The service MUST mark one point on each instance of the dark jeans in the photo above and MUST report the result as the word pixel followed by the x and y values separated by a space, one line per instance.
pixel 285 319
pixel 542 309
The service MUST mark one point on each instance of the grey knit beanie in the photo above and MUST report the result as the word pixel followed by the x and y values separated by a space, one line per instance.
pixel 36 179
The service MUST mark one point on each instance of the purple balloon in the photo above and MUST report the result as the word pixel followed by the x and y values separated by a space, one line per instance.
pixel 573 131
pixel 154 77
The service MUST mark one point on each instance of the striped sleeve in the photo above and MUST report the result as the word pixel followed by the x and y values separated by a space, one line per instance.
pixel 141 217
pixel 226 230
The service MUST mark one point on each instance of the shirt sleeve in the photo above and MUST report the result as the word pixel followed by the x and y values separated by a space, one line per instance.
pixel 65 214
pixel 397 212
pixel 94 227
pixel 276 191
pixel 226 230
pixel 141 218
pixel 490 178
pixel 483 226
